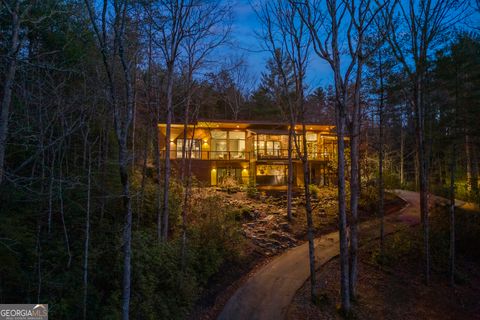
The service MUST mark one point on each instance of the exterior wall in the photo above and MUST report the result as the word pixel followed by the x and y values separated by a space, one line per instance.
pixel 246 161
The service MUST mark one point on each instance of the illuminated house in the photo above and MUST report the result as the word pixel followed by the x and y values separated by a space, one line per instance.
pixel 250 151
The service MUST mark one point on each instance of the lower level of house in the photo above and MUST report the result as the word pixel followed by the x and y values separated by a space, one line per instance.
pixel 260 173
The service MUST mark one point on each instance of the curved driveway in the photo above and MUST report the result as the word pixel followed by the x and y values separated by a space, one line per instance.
pixel 268 293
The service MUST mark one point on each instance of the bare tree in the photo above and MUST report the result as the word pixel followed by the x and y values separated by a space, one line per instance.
pixel 87 231
pixel 209 31
pixel 362 14
pixel 173 23
pixel 113 45
pixel 418 26
pixel 17 10
pixel 286 35
pixel 328 48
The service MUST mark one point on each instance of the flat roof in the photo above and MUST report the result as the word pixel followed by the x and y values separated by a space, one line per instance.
pixel 250 124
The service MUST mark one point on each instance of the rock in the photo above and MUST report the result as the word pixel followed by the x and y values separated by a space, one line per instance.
pixel 269 218
pixel 285 226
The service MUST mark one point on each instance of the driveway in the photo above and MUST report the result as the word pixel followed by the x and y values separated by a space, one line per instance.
pixel 268 293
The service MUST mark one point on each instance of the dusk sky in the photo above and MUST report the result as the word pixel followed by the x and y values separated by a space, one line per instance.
pixel 246 44
pixel 249 46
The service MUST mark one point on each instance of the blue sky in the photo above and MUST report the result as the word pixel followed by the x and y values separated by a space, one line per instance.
pixel 247 45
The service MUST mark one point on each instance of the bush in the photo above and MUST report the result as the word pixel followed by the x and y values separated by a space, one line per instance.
pixel 368 198
pixel 252 191
pixel 162 290
pixel 314 190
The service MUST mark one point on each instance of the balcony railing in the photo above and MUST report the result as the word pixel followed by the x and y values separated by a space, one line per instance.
pixel 279 154
pixel 282 154
pixel 228 155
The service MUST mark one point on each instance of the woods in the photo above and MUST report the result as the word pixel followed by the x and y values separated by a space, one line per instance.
pixel 108 109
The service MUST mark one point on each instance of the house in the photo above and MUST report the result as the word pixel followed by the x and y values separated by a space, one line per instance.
pixel 250 151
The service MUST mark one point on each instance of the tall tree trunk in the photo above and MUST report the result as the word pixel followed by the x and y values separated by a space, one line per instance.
pixel 127 231
pixel 122 123
pixel 402 151
pixel 474 158
pixel 342 214
pixel 354 183
pixel 8 85
pixel 143 182
pixel 422 171
pixel 381 189
pixel 87 235
pixel 62 211
pixel 308 211
pixel 158 166
pixel 452 217
pixel 166 180
pixel 468 155
pixel 290 172
pixel 39 261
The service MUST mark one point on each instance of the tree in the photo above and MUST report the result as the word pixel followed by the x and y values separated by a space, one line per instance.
pixel 286 37
pixel 18 11
pixel 207 35
pixel 122 108
pixel 174 22
pixel 422 25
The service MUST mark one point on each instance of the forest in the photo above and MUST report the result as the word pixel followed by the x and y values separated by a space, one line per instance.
pixel 99 222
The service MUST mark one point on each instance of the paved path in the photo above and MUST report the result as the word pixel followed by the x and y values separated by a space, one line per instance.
pixel 268 293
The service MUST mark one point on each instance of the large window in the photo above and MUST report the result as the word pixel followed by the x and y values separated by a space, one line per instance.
pixel 312 145
pixel 236 144
pixel 271 146
pixel 219 145
pixel 194 144
pixel 271 174
pixel 227 145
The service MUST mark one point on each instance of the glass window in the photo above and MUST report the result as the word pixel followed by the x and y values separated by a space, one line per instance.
pixel 311 136
pixel 237 135
pixel 217 134
pixel 195 146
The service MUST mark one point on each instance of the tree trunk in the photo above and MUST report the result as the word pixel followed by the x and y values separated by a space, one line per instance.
pixel 402 165
pixel 468 155
pixel 354 184
pixel 474 158
pixel 127 231
pixel 166 181
pixel 8 86
pixel 39 261
pixel 422 172
pixel 381 189
pixel 87 236
pixel 342 214
pixel 452 217
pixel 290 173
pixel 158 165
pixel 308 210
pixel 62 216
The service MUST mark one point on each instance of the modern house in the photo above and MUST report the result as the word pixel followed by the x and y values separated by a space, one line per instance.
pixel 250 151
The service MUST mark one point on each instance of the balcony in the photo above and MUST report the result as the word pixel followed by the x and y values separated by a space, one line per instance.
pixel 282 154
pixel 227 155
pixel 279 154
